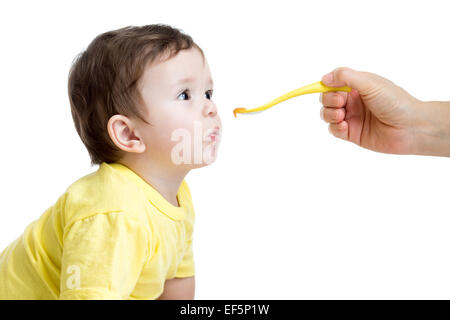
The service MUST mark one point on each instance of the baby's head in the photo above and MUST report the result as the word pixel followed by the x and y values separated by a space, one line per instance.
pixel 142 94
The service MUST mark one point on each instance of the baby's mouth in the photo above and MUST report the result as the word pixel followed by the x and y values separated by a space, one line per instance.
pixel 213 135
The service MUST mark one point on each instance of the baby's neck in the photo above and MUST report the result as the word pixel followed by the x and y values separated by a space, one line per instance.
pixel 165 181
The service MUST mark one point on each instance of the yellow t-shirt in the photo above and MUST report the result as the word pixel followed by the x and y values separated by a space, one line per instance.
pixel 109 236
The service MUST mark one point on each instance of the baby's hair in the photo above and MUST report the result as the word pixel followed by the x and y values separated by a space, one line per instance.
pixel 103 81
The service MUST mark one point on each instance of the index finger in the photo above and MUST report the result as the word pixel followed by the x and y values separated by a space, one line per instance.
pixel 334 99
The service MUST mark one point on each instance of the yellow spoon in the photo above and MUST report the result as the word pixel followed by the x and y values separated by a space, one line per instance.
pixel 310 88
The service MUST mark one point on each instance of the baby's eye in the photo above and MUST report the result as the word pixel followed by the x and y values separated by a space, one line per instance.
pixel 208 94
pixel 184 95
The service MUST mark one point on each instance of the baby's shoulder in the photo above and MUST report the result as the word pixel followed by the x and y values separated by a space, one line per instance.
pixel 102 192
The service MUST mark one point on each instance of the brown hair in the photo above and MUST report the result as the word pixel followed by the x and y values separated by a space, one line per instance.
pixel 103 80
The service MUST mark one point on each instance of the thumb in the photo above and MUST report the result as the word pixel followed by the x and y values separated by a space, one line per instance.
pixel 361 81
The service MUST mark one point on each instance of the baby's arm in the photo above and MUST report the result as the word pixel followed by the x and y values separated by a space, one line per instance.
pixel 103 256
pixel 182 286
pixel 179 289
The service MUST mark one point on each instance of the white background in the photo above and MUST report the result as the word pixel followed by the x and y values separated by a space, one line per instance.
pixel 287 210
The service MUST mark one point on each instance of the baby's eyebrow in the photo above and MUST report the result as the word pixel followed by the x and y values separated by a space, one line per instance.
pixel 184 80
pixel 190 80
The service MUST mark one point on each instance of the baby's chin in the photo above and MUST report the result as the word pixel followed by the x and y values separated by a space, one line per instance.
pixel 209 155
pixel 194 157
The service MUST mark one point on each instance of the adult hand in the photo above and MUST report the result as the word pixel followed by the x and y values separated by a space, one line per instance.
pixel 376 114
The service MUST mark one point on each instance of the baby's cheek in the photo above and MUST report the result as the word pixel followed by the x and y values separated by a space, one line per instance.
pixel 182 123
pixel 188 136
pixel 175 132
pixel 161 139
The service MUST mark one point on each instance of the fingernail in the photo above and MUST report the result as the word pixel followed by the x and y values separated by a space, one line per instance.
pixel 328 78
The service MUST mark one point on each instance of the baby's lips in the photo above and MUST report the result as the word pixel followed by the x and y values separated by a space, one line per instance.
pixel 213 137
pixel 212 134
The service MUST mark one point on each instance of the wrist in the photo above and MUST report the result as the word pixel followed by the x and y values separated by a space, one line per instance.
pixel 432 128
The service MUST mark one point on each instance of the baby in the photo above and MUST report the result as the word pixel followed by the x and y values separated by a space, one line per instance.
pixel 141 100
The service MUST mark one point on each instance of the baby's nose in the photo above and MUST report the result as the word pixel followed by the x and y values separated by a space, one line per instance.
pixel 210 109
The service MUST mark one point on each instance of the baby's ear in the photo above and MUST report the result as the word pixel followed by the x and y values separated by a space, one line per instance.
pixel 124 135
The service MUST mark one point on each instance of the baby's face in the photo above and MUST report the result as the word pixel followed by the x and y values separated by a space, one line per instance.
pixel 185 127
